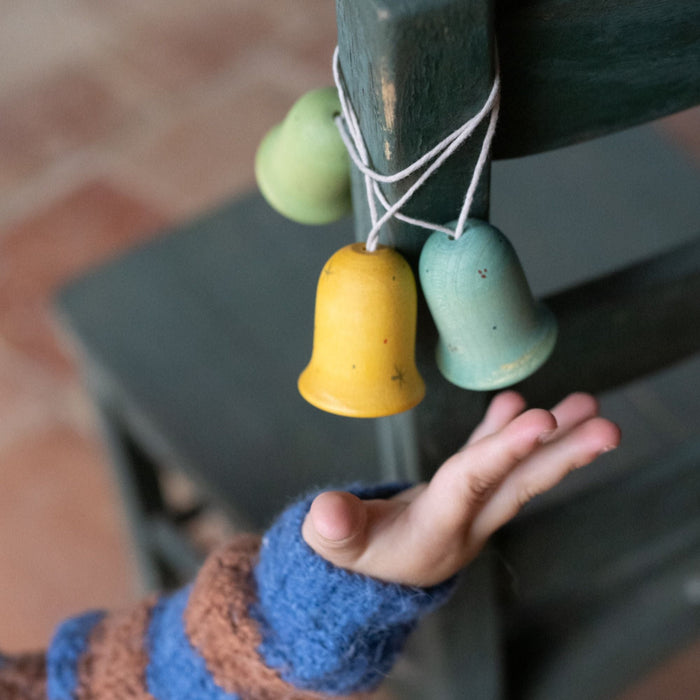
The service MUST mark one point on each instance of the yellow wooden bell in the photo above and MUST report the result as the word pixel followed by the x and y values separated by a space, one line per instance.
pixel 363 358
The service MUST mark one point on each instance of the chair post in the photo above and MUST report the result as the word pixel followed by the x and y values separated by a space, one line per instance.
pixel 414 71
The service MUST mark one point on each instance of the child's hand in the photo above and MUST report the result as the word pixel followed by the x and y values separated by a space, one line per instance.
pixel 424 535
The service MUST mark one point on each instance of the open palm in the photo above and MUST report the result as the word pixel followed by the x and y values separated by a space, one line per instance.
pixel 424 535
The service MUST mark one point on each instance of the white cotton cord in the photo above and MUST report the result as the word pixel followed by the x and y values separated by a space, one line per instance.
pixel 348 126
pixel 373 235
pixel 481 162
pixel 447 146
pixel 408 219
pixel 359 150
pixel 492 103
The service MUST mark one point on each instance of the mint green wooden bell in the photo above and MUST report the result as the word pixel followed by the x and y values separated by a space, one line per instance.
pixel 492 331
pixel 302 167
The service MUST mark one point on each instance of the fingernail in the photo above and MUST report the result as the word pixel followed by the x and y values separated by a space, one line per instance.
pixel 544 437
pixel 607 448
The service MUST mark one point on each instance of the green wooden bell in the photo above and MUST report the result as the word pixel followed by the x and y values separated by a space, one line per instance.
pixel 302 166
pixel 492 331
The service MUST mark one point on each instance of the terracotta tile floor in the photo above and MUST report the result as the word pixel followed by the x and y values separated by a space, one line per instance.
pixel 116 119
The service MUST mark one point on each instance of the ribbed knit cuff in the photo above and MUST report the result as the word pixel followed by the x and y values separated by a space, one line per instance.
pixel 324 628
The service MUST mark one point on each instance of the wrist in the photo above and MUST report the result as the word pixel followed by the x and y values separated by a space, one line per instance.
pixel 325 628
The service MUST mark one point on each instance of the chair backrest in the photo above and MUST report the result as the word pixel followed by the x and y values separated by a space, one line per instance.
pixel 571 70
pixel 574 70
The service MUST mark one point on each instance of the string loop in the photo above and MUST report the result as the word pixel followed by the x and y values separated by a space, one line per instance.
pixel 349 128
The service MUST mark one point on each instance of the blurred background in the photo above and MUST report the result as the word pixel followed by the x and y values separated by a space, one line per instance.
pixel 116 120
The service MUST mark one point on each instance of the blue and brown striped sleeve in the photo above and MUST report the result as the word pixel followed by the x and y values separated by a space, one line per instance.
pixel 262 621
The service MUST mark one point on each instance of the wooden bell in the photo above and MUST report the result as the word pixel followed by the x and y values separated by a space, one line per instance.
pixel 363 358
pixel 492 331
pixel 302 167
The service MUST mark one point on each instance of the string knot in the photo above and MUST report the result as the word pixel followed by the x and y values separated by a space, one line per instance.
pixel 349 128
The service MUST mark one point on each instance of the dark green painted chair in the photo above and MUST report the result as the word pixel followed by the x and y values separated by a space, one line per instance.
pixel 571 71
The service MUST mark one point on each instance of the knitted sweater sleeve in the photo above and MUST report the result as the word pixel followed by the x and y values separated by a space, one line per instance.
pixel 264 620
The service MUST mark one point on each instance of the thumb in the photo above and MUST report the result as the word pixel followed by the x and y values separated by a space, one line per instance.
pixel 336 527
